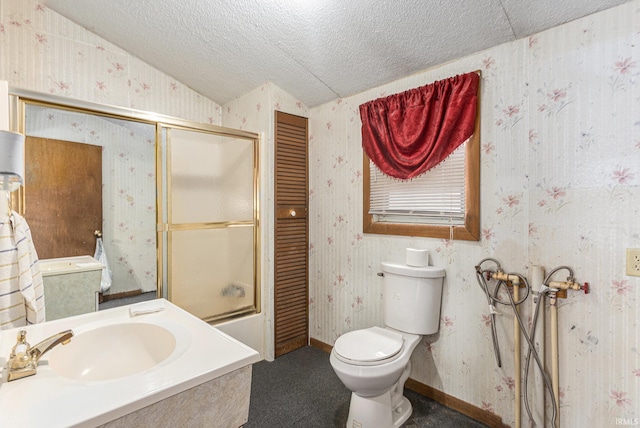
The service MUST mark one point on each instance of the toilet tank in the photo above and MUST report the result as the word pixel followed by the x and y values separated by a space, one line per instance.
pixel 412 297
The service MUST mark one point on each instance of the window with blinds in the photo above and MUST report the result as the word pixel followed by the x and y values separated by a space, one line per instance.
pixel 436 197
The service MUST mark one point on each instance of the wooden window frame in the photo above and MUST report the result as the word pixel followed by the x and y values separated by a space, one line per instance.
pixel 470 231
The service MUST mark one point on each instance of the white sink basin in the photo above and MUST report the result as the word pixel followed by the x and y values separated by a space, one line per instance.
pixel 120 361
pixel 112 351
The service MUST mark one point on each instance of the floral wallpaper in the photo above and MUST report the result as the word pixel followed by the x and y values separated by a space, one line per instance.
pixel 44 52
pixel 560 141
pixel 254 112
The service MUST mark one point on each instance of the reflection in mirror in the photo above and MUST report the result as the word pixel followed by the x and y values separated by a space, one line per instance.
pixel 203 178
pixel 128 199
pixel 65 203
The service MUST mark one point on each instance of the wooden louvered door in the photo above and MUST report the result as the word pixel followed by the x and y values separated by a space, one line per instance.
pixel 291 234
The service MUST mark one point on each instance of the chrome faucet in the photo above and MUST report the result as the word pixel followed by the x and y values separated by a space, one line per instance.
pixel 23 360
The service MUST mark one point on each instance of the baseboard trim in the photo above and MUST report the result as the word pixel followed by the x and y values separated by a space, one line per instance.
pixel 320 345
pixel 476 413
pixel 106 297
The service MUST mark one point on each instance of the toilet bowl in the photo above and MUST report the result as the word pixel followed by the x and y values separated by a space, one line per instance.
pixel 374 363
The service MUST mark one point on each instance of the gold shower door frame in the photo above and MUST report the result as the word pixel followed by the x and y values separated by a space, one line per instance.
pixel 218 294
pixel 18 98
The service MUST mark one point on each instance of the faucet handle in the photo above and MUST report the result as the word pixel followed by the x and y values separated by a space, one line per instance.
pixel 586 288
pixel 21 345
pixel 20 362
pixel 24 358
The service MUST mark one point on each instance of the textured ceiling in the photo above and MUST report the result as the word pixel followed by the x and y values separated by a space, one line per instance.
pixel 317 50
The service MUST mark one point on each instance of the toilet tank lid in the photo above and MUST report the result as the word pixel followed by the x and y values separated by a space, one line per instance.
pixel 412 271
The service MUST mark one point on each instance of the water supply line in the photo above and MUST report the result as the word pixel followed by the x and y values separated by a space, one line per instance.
pixel 491 299
pixel 517 355
pixel 515 281
pixel 539 306
pixel 555 370
pixel 503 280
pixel 537 416
pixel 553 288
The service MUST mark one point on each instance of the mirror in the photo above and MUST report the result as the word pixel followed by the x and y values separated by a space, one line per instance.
pixel 128 191
pixel 148 163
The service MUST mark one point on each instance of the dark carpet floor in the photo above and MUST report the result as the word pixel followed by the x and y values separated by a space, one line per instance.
pixel 300 389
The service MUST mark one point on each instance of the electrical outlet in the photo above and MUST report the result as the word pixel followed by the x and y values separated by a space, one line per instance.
pixel 633 261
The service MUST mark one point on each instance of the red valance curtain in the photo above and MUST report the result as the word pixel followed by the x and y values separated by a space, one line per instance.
pixel 409 133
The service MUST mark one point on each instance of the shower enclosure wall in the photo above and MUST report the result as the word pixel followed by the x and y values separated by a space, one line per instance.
pixel 180 203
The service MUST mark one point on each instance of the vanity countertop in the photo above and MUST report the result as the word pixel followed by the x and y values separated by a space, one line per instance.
pixel 201 353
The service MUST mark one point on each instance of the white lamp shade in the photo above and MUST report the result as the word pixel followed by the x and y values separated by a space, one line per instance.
pixel 11 160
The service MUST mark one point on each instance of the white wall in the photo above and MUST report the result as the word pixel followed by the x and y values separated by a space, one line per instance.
pixel 560 171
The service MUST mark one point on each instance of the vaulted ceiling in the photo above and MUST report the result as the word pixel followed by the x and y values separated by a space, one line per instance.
pixel 317 50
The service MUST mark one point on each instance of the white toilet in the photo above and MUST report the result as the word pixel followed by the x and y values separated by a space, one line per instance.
pixel 374 362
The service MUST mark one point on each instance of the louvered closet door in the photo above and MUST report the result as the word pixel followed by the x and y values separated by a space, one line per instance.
pixel 291 234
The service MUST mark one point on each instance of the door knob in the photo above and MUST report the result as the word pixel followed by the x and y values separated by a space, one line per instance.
pixel 292 213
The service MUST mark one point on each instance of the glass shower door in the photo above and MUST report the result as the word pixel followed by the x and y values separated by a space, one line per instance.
pixel 210 223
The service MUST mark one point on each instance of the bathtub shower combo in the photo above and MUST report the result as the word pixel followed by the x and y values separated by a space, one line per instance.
pixel 492 280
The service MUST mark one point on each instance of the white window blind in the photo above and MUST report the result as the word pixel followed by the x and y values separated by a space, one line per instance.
pixel 435 197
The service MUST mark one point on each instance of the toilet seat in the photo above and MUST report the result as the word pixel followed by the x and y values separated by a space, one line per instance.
pixel 369 347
